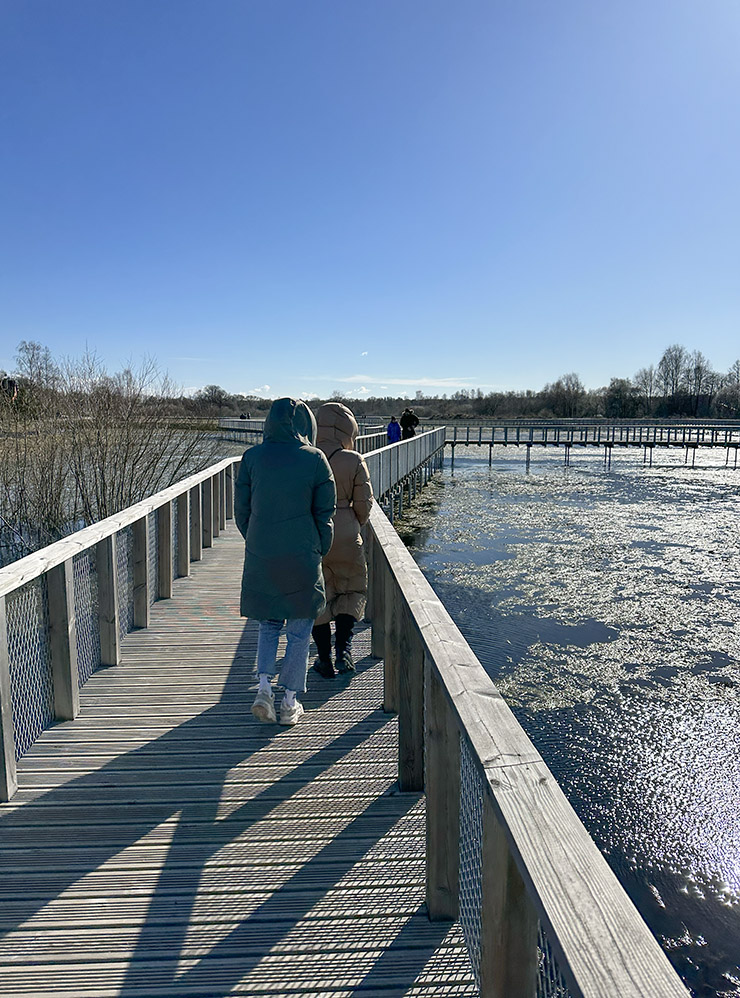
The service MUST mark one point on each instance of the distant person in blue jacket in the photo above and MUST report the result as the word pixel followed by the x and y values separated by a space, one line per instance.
pixel 394 431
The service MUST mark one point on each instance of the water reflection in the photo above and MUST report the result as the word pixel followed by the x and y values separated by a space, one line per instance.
pixel 604 603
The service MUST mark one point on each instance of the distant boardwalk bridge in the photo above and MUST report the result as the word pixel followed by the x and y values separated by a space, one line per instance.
pixel 689 435
pixel 405 838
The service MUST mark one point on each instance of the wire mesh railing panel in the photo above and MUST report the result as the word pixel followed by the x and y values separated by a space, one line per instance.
pixel 471 851
pixel 153 556
pixel 550 983
pixel 85 578
pixel 125 580
pixel 31 685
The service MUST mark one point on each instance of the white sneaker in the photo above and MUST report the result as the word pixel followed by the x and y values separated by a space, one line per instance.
pixel 263 707
pixel 291 715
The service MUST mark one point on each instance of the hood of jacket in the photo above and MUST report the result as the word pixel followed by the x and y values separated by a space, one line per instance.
pixel 290 421
pixel 336 426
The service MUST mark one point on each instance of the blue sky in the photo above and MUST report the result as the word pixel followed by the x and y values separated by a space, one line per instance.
pixel 371 196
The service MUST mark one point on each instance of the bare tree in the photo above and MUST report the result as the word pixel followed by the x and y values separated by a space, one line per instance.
pixel 645 382
pixel 672 370
pixel 122 446
pixel 80 444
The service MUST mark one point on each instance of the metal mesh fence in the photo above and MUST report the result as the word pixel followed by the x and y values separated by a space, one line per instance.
pixel 549 982
pixel 471 847
pixel 31 688
pixel 125 580
pixel 153 557
pixel 85 577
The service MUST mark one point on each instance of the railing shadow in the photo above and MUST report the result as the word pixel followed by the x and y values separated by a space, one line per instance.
pixel 34 863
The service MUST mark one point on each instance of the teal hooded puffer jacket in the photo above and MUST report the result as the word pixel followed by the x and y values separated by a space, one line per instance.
pixel 284 502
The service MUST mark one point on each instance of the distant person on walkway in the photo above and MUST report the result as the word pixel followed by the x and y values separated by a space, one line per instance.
pixel 284 502
pixel 345 568
pixel 409 422
pixel 394 431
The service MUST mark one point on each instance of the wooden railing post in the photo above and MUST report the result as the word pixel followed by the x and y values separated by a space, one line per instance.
pixel 183 534
pixel 110 650
pixel 8 773
pixel 140 531
pixel 222 499
pixel 391 641
pixel 379 570
pixel 410 665
pixel 63 641
pixel 368 539
pixel 164 551
pixel 230 492
pixel 508 958
pixel 215 484
pixel 442 785
pixel 196 524
pixel 207 512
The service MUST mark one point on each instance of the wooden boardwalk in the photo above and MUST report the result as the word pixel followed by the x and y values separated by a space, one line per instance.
pixel 167 844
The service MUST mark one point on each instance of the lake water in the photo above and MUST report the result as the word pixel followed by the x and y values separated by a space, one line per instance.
pixel 605 606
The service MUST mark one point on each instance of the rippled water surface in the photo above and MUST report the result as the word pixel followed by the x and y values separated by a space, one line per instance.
pixel 604 604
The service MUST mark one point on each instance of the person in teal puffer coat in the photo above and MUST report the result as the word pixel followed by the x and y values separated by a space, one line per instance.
pixel 284 502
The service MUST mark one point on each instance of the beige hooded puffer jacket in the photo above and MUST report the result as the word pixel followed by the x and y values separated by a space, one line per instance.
pixel 345 569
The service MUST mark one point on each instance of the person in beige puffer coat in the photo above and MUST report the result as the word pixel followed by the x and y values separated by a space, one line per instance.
pixel 345 568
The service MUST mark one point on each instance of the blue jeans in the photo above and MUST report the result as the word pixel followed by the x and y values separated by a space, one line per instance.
pixel 294 666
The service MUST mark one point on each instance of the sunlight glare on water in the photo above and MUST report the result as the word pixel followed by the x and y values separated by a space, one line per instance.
pixel 604 604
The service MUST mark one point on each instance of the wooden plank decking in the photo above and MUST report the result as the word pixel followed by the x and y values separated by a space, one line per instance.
pixel 166 844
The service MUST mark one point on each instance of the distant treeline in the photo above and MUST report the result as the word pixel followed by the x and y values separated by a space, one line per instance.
pixel 682 383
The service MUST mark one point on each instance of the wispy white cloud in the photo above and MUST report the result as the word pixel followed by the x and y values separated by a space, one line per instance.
pixel 418 382
pixel 364 353
pixel 262 390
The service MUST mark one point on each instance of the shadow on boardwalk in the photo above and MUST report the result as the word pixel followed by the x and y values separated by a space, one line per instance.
pixel 210 903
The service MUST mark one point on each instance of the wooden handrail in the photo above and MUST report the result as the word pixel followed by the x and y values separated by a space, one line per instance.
pixel 32 566
pixel 531 836
pixel 204 502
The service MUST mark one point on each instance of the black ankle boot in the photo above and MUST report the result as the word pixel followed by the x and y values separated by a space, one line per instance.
pixel 321 634
pixel 343 642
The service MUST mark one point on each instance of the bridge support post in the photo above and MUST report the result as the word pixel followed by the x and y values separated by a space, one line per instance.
pixel 222 499
pixel 410 704
pixel 508 957
pixel 63 641
pixel 183 534
pixel 207 512
pixel 442 785
pixel 110 645
pixel 230 492
pixel 215 484
pixel 392 659
pixel 140 530
pixel 196 524
pixel 164 551
pixel 377 581
pixel 8 771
